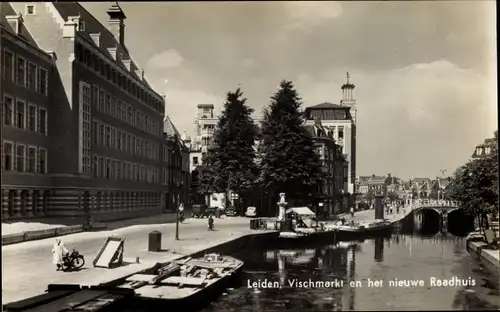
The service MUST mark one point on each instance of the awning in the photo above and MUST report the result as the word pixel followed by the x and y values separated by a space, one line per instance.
pixel 304 211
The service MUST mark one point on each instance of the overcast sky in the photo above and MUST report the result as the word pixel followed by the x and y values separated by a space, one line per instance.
pixel 425 72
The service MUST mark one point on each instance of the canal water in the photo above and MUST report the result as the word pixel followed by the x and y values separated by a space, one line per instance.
pixel 404 272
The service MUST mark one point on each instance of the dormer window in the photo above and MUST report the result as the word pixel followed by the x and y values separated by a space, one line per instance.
pixel 81 26
pixel 29 9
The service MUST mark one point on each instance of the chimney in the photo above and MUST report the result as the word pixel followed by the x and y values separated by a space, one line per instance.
pixel 373 176
pixel 116 25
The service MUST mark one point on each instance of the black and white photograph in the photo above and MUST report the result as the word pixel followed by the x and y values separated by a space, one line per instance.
pixel 249 156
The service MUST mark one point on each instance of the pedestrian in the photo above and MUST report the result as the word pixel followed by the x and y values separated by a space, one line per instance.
pixel 352 212
pixel 210 222
pixel 58 253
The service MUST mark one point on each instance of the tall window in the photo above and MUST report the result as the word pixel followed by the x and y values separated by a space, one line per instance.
pixel 102 167
pixel 8 164
pixel 108 136
pixel 108 168
pixel 42 81
pixel 32 118
pixel 124 112
pixel 8 111
pixel 31 159
pixel 95 97
pixel 118 139
pixel 21 71
pixel 102 134
pixel 113 106
pixel 113 137
pixel 42 121
pixel 20 114
pixel 101 100
pixel 42 160
pixel 95 132
pixel 119 109
pixel 95 167
pixel 129 114
pixel 107 109
pixel 85 126
pixel 123 146
pixel 8 65
pixel 32 76
pixel 20 158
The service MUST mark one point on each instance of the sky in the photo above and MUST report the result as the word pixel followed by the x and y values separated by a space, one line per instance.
pixel 425 72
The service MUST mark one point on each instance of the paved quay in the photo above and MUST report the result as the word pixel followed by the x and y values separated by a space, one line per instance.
pixel 28 268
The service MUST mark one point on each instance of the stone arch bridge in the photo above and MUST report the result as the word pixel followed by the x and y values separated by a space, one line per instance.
pixel 441 206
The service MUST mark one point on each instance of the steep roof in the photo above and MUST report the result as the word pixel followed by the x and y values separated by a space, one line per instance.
pixel 107 39
pixel 376 179
pixel 7 10
pixel 169 128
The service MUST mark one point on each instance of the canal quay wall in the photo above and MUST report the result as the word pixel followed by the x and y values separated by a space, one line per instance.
pixel 223 246
pixel 490 257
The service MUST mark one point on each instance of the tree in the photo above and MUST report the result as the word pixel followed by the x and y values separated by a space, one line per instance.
pixel 475 185
pixel 287 158
pixel 209 181
pixel 234 161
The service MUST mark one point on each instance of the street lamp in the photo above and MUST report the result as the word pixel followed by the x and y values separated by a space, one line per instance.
pixel 179 211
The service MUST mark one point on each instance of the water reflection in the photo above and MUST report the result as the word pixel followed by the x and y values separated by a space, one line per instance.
pixel 402 257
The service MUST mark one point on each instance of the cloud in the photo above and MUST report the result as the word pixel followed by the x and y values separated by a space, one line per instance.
pixel 166 59
pixel 422 118
pixel 308 14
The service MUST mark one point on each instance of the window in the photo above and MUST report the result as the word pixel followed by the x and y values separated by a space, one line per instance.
pixel 81 26
pixel 32 118
pixel 102 134
pixel 20 114
pixel 113 106
pixel 134 146
pixel 108 136
pixel 123 144
pixel 130 147
pixel 85 126
pixel 29 9
pixel 95 132
pixel 8 164
pixel 42 121
pixel 42 81
pixel 124 112
pixel 117 139
pixel 113 137
pixel 31 159
pixel 32 76
pixel 108 169
pixel 20 158
pixel 119 109
pixel 95 166
pixel 129 114
pixel 118 172
pixel 8 65
pixel 101 100
pixel 95 97
pixel 341 132
pixel 107 109
pixel 102 170
pixel 8 111
pixel 21 71
pixel 195 161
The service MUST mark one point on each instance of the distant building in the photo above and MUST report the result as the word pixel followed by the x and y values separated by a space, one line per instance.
pixel 485 148
pixel 341 119
pixel 377 185
pixel 332 193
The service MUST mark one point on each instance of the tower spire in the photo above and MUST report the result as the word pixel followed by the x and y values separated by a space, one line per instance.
pixel 347 91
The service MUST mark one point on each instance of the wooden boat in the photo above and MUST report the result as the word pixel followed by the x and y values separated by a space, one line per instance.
pixel 186 284
pixel 375 228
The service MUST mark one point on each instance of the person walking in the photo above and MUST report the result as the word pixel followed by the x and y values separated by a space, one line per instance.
pixel 352 212
pixel 210 222
pixel 58 252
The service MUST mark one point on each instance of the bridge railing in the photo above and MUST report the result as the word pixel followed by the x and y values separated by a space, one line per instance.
pixel 419 203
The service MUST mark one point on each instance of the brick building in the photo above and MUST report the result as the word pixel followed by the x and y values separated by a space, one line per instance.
pixel 24 92
pixel 332 193
pixel 105 122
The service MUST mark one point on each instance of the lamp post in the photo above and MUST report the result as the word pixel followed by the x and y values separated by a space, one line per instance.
pixel 180 209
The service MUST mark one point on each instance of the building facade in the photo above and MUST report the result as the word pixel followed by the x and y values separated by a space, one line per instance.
pixel 332 192
pixel 342 120
pixel 26 108
pixel 105 122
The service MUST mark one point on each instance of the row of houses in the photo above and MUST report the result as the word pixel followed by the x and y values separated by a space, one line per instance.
pixel 83 132
pixel 390 186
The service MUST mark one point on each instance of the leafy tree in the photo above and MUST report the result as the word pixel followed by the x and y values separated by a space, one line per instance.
pixel 393 195
pixel 287 158
pixel 210 181
pixel 476 185
pixel 234 161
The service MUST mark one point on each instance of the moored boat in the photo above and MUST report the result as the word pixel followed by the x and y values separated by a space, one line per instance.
pixel 186 284
pixel 375 228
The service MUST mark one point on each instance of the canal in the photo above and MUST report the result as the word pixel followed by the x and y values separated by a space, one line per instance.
pixel 381 270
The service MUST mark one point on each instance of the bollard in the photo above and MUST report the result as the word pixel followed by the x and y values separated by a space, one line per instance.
pixel 154 241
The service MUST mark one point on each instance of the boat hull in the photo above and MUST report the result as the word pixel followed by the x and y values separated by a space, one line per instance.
pixel 194 302
pixel 335 235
